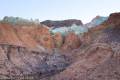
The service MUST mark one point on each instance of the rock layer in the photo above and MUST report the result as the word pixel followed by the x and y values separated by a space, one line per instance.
pixel 63 23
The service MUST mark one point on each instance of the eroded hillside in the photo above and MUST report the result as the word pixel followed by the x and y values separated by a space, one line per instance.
pixel 85 52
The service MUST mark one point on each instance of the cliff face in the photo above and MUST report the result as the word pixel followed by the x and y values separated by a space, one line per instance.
pixel 8 35
pixel 36 37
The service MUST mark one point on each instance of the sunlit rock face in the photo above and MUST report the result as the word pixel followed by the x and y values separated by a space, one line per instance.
pixel 62 23
pixel 40 34
pixel 96 21
pixel 8 35
pixel 31 32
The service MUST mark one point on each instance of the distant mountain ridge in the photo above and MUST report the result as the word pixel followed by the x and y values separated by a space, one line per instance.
pixel 62 23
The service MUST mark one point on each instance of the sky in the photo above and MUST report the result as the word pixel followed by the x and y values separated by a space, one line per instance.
pixel 84 10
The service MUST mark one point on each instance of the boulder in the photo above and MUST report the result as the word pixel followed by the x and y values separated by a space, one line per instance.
pixel 9 36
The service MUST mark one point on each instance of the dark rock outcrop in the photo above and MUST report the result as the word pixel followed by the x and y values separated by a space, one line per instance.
pixel 63 23
pixel 39 33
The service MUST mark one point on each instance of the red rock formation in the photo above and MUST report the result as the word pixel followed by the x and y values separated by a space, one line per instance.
pixel 36 35
pixel 40 34
pixel 27 39
pixel 72 41
pixel 8 35
pixel 11 36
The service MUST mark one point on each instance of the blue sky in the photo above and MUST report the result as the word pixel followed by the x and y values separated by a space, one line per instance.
pixel 84 10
